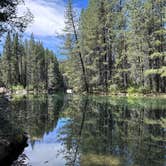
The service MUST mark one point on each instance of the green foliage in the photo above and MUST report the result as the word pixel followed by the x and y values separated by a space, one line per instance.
pixel 9 18
pixel 30 87
pixel 144 90
pixel 139 89
pixel 161 71
pixel 132 90
pixel 73 49
pixel 122 43
pixel 17 87
pixel 157 55
pixel 151 72
pixel 29 65
pixel 113 89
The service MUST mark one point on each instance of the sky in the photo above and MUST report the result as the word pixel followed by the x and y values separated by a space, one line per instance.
pixel 49 23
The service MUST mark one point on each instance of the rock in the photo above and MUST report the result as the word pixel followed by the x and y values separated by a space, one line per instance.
pixel 10 149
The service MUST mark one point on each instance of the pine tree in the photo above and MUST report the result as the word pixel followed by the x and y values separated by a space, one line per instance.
pixel 71 69
pixel 145 52
pixel 71 28
pixel 6 62
pixel 30 65
pixel 55 82
pixel 15 60
pixel 9 19
pixel 156 32
pixel 121 45
pixel 1 71
pixel 88 43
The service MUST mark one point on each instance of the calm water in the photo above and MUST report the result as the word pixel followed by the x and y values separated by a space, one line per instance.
pixel 89 131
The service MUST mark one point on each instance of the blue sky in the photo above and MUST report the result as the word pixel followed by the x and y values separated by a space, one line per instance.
pixel 48 22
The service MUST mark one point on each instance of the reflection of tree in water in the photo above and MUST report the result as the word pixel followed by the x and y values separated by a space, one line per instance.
pixel 12 139
pixel 7 129
pixel 35 115
pixel 111 132
pixel 72 132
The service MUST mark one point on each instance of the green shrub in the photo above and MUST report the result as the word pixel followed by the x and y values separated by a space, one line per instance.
pixel 41 86
pixel 30 88
pixel 113 88
pixel 132 90
pixel 144 90
pixel 17 87
pixel 141 89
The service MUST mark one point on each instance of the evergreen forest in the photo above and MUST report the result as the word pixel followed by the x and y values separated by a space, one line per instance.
pixel 116 46
pixel 27 64
pixel 83 82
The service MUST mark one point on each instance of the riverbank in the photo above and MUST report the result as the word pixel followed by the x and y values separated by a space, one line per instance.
pixel 160 95
pixel 17 93
pixel 24 92
pixel 122 94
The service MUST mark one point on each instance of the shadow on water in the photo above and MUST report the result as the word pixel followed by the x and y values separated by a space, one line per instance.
pixel 88 131
pixel 12 140
pixel 33 115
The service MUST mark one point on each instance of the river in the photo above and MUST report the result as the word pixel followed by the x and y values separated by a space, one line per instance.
pixel 88 130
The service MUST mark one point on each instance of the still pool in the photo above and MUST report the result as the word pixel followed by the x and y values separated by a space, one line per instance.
pixel 88 130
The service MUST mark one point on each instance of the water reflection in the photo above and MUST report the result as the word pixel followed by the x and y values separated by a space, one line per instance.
pixel 37 116
pixel 91 131
pixel 115 132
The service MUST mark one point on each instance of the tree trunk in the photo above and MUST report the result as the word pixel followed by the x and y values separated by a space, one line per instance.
pixel 80 55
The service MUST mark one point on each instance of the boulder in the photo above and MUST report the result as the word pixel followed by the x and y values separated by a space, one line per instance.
pixel 10 149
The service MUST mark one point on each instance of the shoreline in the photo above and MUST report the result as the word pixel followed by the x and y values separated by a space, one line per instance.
pixel 24 92
pixel 149 95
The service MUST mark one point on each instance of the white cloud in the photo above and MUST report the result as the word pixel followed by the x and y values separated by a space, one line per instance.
pixel 48 17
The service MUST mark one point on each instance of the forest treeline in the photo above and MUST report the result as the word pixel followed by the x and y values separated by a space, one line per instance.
pixel 119 45
pixel 29 65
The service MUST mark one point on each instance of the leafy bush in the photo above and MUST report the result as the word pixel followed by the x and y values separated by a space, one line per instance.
pixel 141 89
pixel 132 90
pixel 144 90
pixel 17 87
pixel 113 88
pixel 30 88
pixel 41 86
